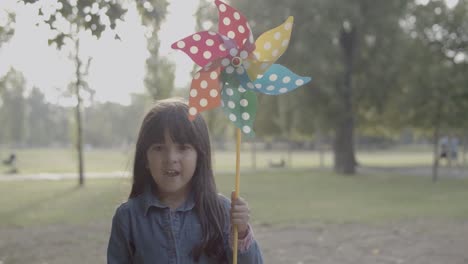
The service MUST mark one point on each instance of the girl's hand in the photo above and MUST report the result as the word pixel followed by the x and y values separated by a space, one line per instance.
pixel 240 215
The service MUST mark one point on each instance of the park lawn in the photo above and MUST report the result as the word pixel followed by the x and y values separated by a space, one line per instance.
pixel 33 161
pixel 281 197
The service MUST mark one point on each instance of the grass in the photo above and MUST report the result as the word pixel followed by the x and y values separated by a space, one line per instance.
pixel 280 198
pixel 31 161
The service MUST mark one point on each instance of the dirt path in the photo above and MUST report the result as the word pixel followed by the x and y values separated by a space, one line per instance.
pixel 424 242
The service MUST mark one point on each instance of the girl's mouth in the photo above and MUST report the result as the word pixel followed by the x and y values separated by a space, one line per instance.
pixel 171 173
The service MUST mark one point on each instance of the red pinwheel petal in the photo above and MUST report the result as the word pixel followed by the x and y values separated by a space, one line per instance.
pixel 204 92
pixel 235 26
pixel 202 47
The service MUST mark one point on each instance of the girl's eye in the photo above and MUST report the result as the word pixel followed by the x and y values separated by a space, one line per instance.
pixel 185 147
pixel 157 147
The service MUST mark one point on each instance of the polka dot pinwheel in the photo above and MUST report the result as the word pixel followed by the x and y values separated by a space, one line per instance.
pixel 234 67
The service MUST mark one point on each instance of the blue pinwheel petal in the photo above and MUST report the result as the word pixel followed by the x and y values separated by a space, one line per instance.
pixel 277 80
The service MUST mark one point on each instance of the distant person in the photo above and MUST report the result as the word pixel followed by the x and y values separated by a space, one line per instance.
pixel 11 163
pixel 444 148
pixel 174 213
pixel 453 149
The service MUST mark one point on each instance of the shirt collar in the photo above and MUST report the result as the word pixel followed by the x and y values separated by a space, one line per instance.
pixel 151 200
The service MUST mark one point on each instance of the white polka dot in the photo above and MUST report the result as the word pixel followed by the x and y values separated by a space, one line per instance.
pixel 288 26
pixel 204 84
pixel 246 129
pixel 244 102
pixel 256 54
pixel 242 90
pixel 193 50
pixel 206 54
pixel 258 85
pixel 237 15
pixel 196 37
pixel 222 47
pixel 299 82
pixel 244 54
pixel 273 77
pixel 285 43
pixel 193 111
pixel 270 88
pixel 233 52
pixel 212 33
pixel 267 45
pixel 229 91
pixel 265 65
pixel 222 8
pixel 277 35
pixel 275 53
pixel 241 29
pixel 226 21
pixel 197 76
pixel 231 34
pixel 229 69
pixel 181 44
pixel 209 42
pixel 245 116
pixel 213 93
pixel 225 62
pixel 283 90
pixel 286 79
pixel 232 117
pixel 213 75
pixel 250 85
pixel 193 92
pixel 231 104
pixel 203 102
pixel 240 70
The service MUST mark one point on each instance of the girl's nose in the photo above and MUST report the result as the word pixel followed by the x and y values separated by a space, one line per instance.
pixel 172 155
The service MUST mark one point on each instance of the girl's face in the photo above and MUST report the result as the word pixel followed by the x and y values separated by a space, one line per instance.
pixel 172 165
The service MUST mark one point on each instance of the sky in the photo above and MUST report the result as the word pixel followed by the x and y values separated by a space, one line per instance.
pixel 117 68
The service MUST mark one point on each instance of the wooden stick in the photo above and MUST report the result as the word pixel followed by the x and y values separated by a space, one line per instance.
pixel 236 192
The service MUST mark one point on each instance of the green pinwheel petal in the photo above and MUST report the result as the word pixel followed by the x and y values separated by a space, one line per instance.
pixel 240 106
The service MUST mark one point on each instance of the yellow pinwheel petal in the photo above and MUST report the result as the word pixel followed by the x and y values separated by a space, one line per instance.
pixel 255 67
pixel 269 47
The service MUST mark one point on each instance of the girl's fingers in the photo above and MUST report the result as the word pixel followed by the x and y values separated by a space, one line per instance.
pixel 240 216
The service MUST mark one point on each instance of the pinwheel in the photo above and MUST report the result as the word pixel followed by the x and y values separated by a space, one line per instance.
pixel 234 68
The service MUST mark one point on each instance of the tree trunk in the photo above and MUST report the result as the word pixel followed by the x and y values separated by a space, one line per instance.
pixel 79 136
pixel 345 161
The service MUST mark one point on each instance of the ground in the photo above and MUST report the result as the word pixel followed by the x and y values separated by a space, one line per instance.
pixel 417 242
pixel 422 241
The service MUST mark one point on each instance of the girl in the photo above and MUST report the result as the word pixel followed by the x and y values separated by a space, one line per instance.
pixel 174 213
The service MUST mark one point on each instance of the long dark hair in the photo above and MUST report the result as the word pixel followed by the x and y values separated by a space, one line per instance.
pixel 172 115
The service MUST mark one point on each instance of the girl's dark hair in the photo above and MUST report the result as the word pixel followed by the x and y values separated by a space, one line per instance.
pixel 172 115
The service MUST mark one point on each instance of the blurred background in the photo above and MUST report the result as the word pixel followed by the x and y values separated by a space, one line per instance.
pixel 365 164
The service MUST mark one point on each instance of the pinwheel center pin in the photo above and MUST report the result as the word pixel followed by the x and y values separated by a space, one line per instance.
pixel 236 62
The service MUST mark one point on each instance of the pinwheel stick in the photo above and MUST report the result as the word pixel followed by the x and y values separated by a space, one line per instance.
pixel 236 192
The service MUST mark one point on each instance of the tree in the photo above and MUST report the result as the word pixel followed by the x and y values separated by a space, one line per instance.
pixel 68 21
pixel 347 82
pixel 6 29
pixel 12 108
pixel 159 79
pixel 436 90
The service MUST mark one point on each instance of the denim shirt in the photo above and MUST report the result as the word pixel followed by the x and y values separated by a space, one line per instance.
pixel 144 230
